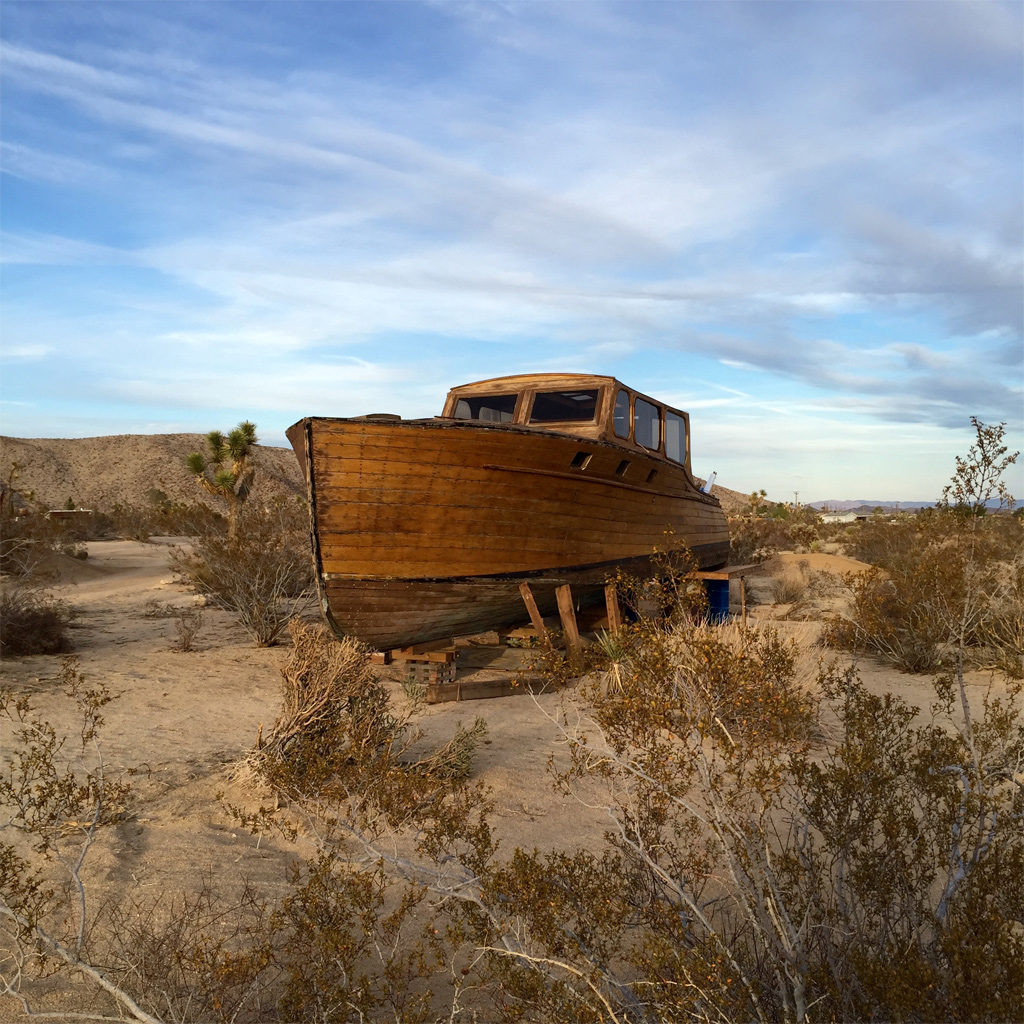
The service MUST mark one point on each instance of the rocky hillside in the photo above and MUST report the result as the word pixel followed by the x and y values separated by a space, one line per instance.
pixel 98 472
pixel 732 502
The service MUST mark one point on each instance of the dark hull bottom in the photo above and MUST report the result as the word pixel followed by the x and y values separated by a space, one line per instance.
pixel 391 613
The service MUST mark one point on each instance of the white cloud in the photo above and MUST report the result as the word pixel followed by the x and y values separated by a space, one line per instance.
pixel 600 185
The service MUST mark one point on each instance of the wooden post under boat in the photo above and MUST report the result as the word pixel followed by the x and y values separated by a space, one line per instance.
pixel 426 528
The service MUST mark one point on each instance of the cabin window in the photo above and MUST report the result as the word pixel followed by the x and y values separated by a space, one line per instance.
pixel 489 408
pixel 646 424
pixel 621 418
pixel 620 470
pixel 650 476
pixel 581 460
pixel 675 437
pixel 564 406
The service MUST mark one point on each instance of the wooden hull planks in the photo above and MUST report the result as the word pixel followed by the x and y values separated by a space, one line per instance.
pixel 423 529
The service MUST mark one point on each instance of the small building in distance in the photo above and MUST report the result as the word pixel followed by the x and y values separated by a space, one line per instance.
pixel 842 517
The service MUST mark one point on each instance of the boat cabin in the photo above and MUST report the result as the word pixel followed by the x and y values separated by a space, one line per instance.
pixel 583 405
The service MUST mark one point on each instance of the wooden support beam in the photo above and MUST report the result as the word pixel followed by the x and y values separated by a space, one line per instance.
pixel 567 613
pixel 444 656
pixel 531 607
pixel 743 600
pixel 424 648
pixel 611 601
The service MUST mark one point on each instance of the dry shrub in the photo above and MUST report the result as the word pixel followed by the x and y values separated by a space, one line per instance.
pixel 894 617
pixel 337 726
pixel 885 543
pixel 264 574
pixel 752 873
pixel 25 543
pixel 161 517
pixel 756 538
pixel 31 622
pixel 788 588
pixel 342 945
pixel 190 956
pixel 951 591
pixel 321 680
pixel 187 623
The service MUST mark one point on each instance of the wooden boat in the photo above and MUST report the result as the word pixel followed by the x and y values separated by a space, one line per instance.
pixel 424 529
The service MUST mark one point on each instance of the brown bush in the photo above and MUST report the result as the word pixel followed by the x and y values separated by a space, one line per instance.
pixel 788 588
pixel 31 623
pixel 163 518
pixel 756 538
pixel 25 542
pixel 187 624
pixel 264 574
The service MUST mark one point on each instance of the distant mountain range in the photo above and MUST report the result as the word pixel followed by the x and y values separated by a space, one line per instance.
pixel 857 504
pixel 869 503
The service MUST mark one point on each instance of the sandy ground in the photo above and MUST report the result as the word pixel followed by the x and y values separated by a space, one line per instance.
pixel 181 720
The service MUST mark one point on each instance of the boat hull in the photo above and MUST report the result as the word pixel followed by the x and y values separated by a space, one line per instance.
pixel 424 529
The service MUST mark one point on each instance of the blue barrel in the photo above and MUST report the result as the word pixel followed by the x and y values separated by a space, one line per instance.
pixel 718 600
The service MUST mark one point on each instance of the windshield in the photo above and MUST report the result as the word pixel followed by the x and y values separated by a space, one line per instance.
pixel 562 406
pixel 489 408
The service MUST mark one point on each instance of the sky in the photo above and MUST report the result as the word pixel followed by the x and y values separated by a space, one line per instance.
pixel 801 222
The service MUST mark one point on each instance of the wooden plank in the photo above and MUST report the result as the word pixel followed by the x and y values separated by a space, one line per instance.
pixel 444 657
pixel 440 693
pixel 567 614
pixel 374 561
pixel 727 572
pixel 435 525
pixel 611 600
pixel 531 606
pixel 415 650
pixel 506 491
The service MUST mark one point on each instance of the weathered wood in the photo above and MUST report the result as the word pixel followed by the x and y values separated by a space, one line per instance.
pixel 415 650
pixel 440 657
pixel 611 600
pixel 440 693
pixel 567 614
pixel 531 606
pixel 430 674
pixel 424 529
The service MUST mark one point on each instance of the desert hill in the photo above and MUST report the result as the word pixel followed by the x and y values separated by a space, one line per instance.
pixel 98 472
pixel 731 501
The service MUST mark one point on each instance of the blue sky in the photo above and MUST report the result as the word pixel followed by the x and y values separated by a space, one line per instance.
pixel 800 222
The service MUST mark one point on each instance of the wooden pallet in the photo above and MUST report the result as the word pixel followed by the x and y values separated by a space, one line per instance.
pixel 427 664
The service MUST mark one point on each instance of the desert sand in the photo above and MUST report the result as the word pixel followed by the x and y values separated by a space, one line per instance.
pixel 181 720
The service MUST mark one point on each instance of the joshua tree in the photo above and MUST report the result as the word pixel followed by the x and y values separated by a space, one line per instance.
pixel 757 501
pixel 215 477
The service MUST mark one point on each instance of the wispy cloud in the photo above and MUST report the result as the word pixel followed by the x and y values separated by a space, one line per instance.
pixel 820 202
